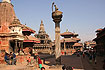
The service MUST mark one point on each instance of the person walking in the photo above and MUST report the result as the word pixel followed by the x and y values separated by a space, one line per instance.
pixel 39 62
pixel 83 55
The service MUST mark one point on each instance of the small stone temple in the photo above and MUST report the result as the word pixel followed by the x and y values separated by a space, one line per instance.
pixel 7 15
pixel 69 44
pixel 45 44
pixel 14 36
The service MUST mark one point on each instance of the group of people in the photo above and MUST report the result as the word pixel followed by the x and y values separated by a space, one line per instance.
pixel 10 59
pixel 92 56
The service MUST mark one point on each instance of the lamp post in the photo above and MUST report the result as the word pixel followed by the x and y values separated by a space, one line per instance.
pixel 57 18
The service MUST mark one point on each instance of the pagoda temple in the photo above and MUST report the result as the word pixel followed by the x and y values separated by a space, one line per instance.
pixel 69 44
pixel 45 44
pixel 29 40
pixel 16 41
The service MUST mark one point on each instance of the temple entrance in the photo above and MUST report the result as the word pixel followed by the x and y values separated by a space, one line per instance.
pixel 14 46
pixel 28 46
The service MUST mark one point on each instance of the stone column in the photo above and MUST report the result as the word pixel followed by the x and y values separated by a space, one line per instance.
pixel 22 46
pixel 16 46
pixel 57 15
pixel 64 46
pixel 57 42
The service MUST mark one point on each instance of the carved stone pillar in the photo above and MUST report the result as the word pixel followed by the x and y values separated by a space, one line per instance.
pixel 22 46
pixel 57 15
pixel 64 46
pixel 16 48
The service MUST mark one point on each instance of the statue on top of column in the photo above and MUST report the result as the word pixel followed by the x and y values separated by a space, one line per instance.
pixel 54 6
pixel 9 1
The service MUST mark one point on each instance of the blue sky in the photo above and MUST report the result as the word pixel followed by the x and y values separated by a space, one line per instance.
pixel 80 16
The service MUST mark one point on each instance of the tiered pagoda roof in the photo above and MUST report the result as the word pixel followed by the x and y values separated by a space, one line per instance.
pixel 99 30
pixel 25 28
pixel 100 33
pixel 68 40
pixel 75 38
pixel 67 34
pixel 16 22
pixel 70 37
pixel 78 45
pixel 31 39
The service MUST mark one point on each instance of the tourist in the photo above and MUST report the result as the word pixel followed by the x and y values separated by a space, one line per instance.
pixel 78 54
pixel 6 58
pixel 83 55
pixel 39 62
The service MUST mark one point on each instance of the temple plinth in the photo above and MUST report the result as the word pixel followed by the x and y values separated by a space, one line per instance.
pixel 57 18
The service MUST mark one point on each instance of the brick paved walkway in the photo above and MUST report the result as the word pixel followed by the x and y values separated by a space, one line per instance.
pixel 92 66
pixel 77 62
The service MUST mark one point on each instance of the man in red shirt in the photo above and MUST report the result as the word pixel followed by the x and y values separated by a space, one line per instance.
pixel 39 62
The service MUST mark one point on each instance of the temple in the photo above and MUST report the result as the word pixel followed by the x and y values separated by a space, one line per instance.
pixel 14 36
pixel 69 44
pixel 7 15
pixel 45 42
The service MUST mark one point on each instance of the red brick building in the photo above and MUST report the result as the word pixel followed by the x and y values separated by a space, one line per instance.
pixel 100 41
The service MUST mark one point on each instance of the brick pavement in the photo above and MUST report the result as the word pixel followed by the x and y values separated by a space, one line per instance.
pixel 68 60
pixel 92 66
pixel 73 61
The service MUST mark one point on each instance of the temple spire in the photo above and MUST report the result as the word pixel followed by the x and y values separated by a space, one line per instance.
pixel 9 1
pixel 41 30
